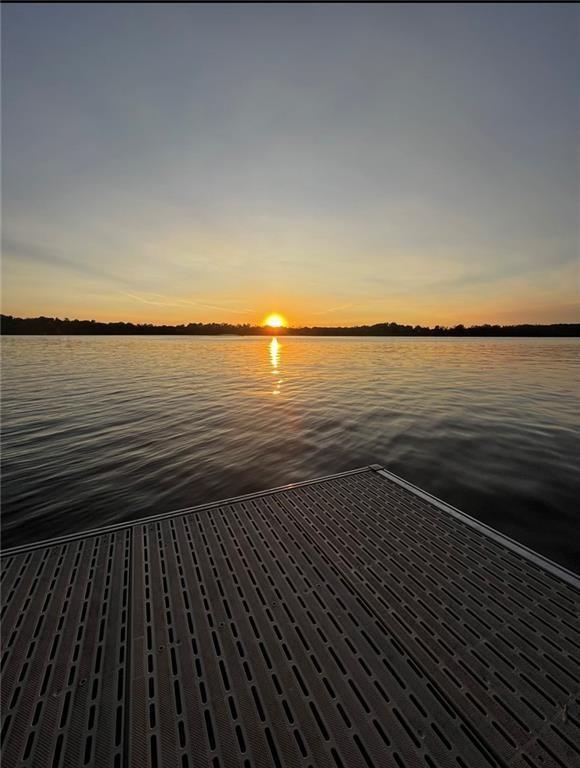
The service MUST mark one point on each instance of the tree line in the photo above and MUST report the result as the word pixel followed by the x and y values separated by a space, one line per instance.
pixel 53 326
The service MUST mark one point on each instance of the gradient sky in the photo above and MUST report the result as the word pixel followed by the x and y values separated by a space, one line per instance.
pixel 340 164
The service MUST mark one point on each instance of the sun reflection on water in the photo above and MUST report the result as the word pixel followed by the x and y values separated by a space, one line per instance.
pixel 274 349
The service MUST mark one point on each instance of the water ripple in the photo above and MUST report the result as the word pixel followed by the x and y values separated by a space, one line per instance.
pixel 99 430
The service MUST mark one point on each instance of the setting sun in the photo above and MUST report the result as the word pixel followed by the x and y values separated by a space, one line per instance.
pixel 275 321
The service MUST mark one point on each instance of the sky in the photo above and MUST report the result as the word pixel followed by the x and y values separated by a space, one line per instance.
pixel 340 164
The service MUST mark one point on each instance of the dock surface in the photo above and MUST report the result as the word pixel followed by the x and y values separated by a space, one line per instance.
pixel 349 622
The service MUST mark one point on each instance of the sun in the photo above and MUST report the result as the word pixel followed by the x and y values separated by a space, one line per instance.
pixel 275 321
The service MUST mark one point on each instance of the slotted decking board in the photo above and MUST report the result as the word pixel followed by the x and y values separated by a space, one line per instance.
pixel 350 621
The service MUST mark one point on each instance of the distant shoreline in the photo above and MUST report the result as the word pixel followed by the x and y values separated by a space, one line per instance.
pixel 53 326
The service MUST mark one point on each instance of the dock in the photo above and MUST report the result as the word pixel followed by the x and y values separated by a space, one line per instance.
pixel 353 621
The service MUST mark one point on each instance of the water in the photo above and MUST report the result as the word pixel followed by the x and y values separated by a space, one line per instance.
pixel 99 430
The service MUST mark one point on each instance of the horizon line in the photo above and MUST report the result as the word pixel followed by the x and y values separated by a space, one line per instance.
pixel 7 320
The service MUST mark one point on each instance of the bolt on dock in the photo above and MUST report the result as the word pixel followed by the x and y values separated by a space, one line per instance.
pixel 349 622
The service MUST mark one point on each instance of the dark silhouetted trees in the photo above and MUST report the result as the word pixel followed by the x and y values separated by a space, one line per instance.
pixel 53 326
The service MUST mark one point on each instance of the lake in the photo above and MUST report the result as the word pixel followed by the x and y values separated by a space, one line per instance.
pixel 98 429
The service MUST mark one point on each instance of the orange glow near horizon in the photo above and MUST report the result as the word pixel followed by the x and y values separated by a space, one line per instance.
pixel 275 321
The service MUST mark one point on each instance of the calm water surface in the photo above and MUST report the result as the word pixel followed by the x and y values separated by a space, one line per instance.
pixel 99 430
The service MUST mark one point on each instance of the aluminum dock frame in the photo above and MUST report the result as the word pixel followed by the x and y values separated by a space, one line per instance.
pixel 349 622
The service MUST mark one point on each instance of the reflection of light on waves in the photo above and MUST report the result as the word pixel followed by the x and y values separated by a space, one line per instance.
pixel 275 347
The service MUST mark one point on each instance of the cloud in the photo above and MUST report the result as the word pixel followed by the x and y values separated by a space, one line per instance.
pixel 50 257
pixel 167 301
pixel 333 309
pixel 42 254
pixel 149 301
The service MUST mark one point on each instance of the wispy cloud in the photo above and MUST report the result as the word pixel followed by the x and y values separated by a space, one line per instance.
pixel 166 301
pixel 154 302
pixel 51 257
pixel 224 309
pixel 333 309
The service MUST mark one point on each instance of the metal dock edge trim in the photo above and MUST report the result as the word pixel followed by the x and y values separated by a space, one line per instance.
pixel 83 534
pixel 529 554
